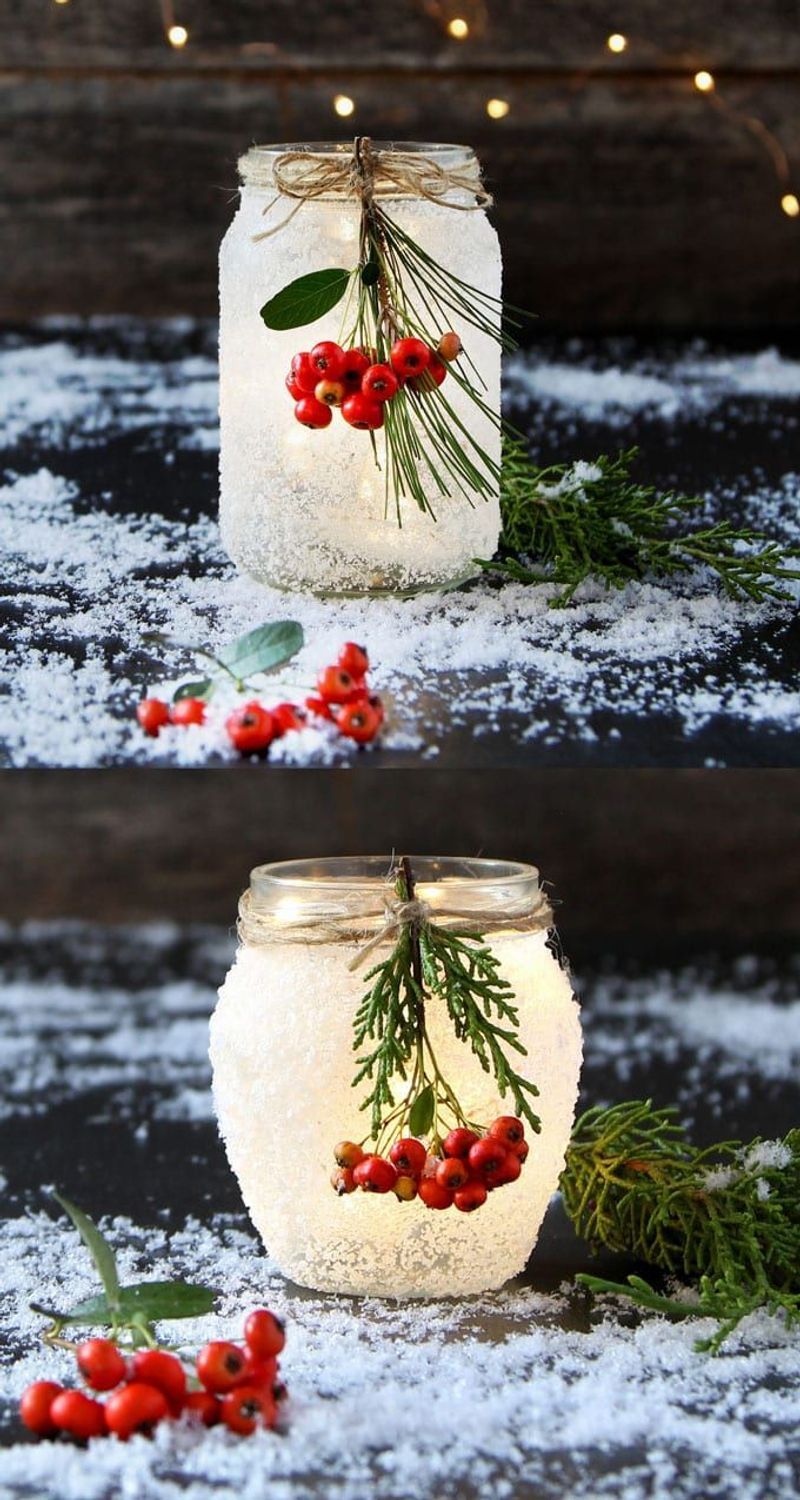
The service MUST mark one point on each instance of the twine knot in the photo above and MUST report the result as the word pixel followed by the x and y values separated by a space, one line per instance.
pixel 398 913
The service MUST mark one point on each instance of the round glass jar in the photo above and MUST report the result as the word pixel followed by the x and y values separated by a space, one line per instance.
pixel 283 1062
pixel 306 510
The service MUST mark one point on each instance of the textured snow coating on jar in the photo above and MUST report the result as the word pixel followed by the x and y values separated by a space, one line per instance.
pixel 307 510
pixel 282 1067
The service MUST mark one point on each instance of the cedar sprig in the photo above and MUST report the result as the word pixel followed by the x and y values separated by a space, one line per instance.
pixel 634 1183
pixel 562 525
pixel 466 975
pixel 387 1016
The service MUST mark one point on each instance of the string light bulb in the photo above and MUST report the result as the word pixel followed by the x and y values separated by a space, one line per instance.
pixel 458 28
pixel 790 204
pixel 177 36
pixel 344 106
pixel 497 109
pixel 704 81
pixel 616 42
pixel 61 2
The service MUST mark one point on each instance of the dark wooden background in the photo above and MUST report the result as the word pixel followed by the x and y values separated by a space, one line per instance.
pixel 653 863
pixel 625 199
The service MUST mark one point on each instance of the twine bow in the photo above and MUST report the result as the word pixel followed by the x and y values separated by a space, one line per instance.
pixel 398 914
pixel 365 174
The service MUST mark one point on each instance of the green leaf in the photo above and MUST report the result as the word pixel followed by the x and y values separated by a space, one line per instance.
pixel 98 1247
pixel 306 299
pixel 421 1117
pixel 202 689
pixel 148 1300
pixel 262 649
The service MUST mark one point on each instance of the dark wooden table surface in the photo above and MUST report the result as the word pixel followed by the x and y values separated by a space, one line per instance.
pixel 120 418
pixel 105 1094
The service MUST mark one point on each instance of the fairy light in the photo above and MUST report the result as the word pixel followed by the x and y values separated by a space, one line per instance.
pixel 497 109
pixel 790 204
pixel 458 28
pixel 61 2
pixel 616 42
pixel 344 106
pixel 704 81
pixel 177 36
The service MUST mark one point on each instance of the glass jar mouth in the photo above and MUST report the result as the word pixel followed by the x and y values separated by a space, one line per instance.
pixel 320 170
pixel 435 149
pixel 370 870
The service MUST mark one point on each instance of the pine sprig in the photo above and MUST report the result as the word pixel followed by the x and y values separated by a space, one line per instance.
pixel 466 976
pixel 570 522
pixel 391 1037
pixel 726 1217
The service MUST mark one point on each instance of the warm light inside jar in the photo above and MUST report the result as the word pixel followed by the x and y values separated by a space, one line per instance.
pixel 305 509
pixel 281 1048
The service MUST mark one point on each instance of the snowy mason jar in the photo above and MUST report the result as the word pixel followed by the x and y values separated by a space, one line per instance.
pixel 324 511
pixel 283 1068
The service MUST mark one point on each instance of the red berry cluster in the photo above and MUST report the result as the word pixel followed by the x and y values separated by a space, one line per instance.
pixel 342 698
pixel 237 1386
pixel 358 382
pixel 466 1170
pixel 154 714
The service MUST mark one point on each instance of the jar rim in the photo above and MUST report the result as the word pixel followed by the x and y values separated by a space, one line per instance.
pixel 345 148
pixel 375 870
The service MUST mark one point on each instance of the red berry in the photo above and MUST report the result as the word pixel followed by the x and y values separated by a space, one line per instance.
pixel 203 1407
pixel 250 728
pixel 264 1334
pixel 327 359
pixel 101 1364
pixel 247 1408
pixel 409 357
pixel 508 1171
pixel 508 1129
pixel 136 1408
pixel 449 346
pixel 452 1173
pixel 348 1154
pixel 220 1365
pixel 433 1194
pixel 343 1181
pixel 431 377
pixel 188 711
pixel 353 659
pixel 295 390
pixel 287 716
pixel 459 1142
pixel 359 721
pixel 375 1175
pixel 334 685
pixel 473 1195
pixel 259 1371
pixel 354 363
pixel 409 1156
pixel 406 1188
pixel 486 1155
pixel 312 413
pixel 379 383
pixel 319 708
pixel 157 1367
pixel 152 714
pixel 330 392
pixel 362 412
pixel 521 1151
pixel 79 1415
pixel 35 1405
pixel 304 374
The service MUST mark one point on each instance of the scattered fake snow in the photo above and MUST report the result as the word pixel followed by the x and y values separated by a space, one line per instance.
pixel 83 585
pixel 496 1396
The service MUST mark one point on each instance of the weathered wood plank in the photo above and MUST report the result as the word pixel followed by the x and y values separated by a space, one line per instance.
pixel 638 858
pixel 720 33
pixel 623 204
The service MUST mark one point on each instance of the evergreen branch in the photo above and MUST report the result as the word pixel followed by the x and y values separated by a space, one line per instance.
pixel 565 524
pixel 727 1217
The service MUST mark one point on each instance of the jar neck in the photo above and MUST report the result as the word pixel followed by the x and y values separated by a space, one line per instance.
pixel 322 171
pixel 353 899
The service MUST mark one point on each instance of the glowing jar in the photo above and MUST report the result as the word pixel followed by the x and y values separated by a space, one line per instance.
pixel 281 1050
pixel 306 510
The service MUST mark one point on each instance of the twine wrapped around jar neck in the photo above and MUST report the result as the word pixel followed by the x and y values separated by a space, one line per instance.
pixel 365 174
pixel 258 928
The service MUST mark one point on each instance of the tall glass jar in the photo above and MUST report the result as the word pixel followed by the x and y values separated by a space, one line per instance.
pixel 306 510
pixel 283 1062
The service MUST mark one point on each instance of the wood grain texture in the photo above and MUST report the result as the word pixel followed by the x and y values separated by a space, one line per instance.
pixel 638 859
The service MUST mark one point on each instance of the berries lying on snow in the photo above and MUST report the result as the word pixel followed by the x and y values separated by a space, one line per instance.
pixel 152 714
pixel 461 1170
pixel 241 1387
